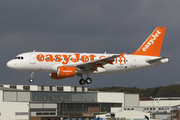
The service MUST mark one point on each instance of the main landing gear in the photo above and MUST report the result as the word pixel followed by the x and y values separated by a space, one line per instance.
pixel 31 79
pixel 87 81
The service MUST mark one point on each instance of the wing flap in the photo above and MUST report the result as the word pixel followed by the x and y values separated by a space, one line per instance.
pixel 99 62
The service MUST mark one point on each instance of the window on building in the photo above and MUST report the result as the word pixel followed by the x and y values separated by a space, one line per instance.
pixel 50 88
pixel 175 114
pixel 13 86
pixel 17 113
pixel 75 89
pixel 52 113
pixel 42 88
pixel 26 87
pixel 38 113
pixel 79 108
pixel 59 88
pixel 45 113
pixel 21 113
pixel 112 115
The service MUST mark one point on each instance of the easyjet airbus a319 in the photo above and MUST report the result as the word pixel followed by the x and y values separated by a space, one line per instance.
pixel 62 65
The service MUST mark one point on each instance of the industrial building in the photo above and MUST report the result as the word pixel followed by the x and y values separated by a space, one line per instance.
pixel 23 102
pixel 38 102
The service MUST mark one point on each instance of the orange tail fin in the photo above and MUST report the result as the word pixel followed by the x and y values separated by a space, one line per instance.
pixel 152 45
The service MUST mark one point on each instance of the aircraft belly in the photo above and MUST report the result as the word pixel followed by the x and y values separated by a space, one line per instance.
pixel 41 67
pixel 112 69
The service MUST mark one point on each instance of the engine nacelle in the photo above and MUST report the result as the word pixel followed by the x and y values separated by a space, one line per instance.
pixel 64 72
pixel 55 76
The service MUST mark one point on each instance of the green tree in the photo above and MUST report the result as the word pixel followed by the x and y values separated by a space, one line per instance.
pixel 166 91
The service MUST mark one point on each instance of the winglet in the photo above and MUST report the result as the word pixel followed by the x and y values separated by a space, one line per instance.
pixel 152 45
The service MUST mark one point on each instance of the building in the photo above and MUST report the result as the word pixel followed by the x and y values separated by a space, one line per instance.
pixel 23 102
pixel 158 108
pixel 45 102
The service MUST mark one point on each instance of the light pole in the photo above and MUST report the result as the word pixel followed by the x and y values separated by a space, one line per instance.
pixel 158 107
pixel 86 104
pixel 63 105
pixel 152 108
pixel 100 108
pixel 170 111
pixel 29 111
pixel 59 107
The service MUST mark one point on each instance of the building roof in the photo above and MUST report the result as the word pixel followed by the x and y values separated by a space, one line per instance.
pixel 43 88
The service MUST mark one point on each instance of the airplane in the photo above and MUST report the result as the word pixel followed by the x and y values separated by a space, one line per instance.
pixel 63 65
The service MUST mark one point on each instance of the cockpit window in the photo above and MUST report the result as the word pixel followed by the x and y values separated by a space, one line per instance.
pixel 19 57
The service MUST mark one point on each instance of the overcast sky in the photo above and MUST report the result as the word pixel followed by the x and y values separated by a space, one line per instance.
pixel 114 26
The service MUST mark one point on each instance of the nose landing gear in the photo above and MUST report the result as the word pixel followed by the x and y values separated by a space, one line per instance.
pixel 31 79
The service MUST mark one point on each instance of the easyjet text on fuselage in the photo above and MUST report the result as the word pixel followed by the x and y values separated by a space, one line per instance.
pixel 75 57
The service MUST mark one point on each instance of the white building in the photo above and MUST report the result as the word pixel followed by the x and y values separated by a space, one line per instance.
pixel 125 115
pixel 17 102
pixel 158 108
pixel 13 110
pixel 21 102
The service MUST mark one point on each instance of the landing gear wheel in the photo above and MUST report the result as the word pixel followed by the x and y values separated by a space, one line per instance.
pixel 88 80
pixel 82 81
pixel 31 80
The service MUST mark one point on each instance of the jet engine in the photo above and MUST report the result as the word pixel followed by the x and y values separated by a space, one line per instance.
pixel 64 72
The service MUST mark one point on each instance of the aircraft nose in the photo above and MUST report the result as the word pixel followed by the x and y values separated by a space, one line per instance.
pixel 10 64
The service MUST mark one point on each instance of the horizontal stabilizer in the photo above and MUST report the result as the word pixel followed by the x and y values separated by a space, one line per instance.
pixel 161 59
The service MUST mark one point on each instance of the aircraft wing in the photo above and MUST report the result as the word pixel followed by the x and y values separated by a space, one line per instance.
pixel 93 65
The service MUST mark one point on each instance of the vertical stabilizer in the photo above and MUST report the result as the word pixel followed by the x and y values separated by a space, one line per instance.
pixel 152 45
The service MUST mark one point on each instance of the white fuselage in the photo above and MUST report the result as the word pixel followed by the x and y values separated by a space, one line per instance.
pixel 49 61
